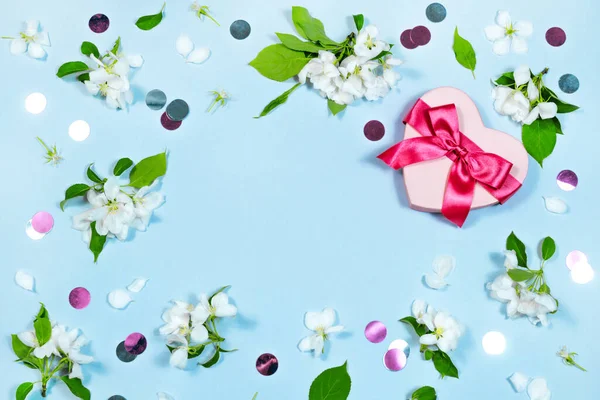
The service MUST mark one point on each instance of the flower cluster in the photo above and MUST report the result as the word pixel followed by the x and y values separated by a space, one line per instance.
pixel 110 75
pixel 55 352
pixel 190 329
pixel 117 207
pixel 359 67
pixel 31 40
pixel 438 334
pixel 323 324
pixel 524 291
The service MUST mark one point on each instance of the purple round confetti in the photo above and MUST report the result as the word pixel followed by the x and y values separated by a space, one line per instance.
pixel 136 344
pixel 79 298
pixel 556 36
pixel 420 35
pixel 42 222
pixel 99 23
pixel 394 360
pixel 168 123
pixel 567 180
pixel 374 130
pixel 267 364
pixel 375 332
pixel 406 41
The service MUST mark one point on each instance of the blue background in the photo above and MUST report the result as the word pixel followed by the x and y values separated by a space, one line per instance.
pixel 293 210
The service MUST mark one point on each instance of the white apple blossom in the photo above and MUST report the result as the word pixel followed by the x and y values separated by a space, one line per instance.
pixel 179 356
pixel 367 44
pixel 218 306
pixel 144 203
pixel 31 40
pixel 69 344
pixel 423 313
pixel 511 102
pixel 445 334
pixel 176 318
pixel 323 324
pixel 29 339
pixel 507 35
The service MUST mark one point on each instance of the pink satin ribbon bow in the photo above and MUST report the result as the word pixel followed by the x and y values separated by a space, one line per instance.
pixel 471 165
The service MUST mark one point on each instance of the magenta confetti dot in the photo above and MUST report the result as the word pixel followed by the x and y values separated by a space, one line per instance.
pixel 374 130
pixel 567 180
pixel 420 35
pixel 42 222
pixel 375 332
pixel 79 298
pixel 168 123
pixel 394 360
pixel 267 364
pixel 556 36
pixel 99 23
pixel 136 344
pixel 406 41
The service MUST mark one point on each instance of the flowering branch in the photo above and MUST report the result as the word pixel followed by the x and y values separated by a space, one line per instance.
pixel 52 154
pixel 220 99
pixel 203 10
pixel 567 358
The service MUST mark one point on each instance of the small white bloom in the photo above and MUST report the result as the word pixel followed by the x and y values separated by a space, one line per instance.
pixel 519 382
pixel 70 344
pixel 323 324
pixel 423 313
pixel 445 335
pixel 367 44
pixel 504 290
pixel 28 338
pixel 31 40
pixel 218 306
pixel 442 267
pixel 538 390
pixel 507 36
pixel 119 299
pixel 179 356
pixel 510 259
pixel 555 205
pixel 25 280
pixel 137 285
pixel 177 319
pixel 144 203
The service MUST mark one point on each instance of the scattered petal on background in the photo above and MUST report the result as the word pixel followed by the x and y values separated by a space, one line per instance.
pixel 164 396
pixel 119 299
pixel 555 205
pixel 184 45
pixel 538 390
pixel 434 281
pixel 519 381
pixel 198 56
pixel 25 280
pixel 444 265
pixel 137 285
pixel 135 60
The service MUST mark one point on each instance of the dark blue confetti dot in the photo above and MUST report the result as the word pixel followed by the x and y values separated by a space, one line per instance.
pixel 435 12
pixel 156 99
pixel 177 110
pixel 568 83
pixel 240 29
pixel 116 397
pixel 123 354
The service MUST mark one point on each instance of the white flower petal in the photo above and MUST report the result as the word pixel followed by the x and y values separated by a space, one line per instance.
pixel 538 389
pixel 444 265
pixel 42 38
pixel 532 116
pixel 532 91
pixel 519 45
pixel 555 205
pixel 137 285
pixel 312 320
pixel 25 280
pixel 199 334
pixel 112 188
pixel 503 19
pixel 501 47
pixel 226 310
pixel 522 75
pixel 494 32
pixel 164 396
pixel 31 27
pixel 184 45
pixel 28 338
pixel 523 28
pixel 36 50
pixel 419 307
pixel 519 382
pixel 548 110
pixel 76 372
pixel 198 56
pixel 428 339
pixel 318 344
pixel 119 299
pixel 434 281
pixel 18 46
pixel 306 344
pixel 179 358
pixel 135 60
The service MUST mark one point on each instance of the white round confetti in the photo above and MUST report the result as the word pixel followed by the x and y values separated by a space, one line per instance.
pixel 494 343
pixel 576 257
pixel 582 273
pixel 32 233
pixel 35 103
pixel 79 130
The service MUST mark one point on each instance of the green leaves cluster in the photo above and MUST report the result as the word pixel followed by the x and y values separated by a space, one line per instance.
pixel 148 22
pixel 539 137
pixel 142 174
pixel 331 384
pixel 464 52
pixel 49 367
pixel 82 69
pixel 441 361
pixel 424 393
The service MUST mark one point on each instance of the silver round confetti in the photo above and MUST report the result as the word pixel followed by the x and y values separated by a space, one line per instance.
pixel 32 233
pixel 177 110
pixel 156 99
pixel 123 354
pixel 117 397
pixel 240 29
pixel 400 345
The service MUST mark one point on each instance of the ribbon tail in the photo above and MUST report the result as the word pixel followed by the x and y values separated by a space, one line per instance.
pixel 459 193
pixel 412 151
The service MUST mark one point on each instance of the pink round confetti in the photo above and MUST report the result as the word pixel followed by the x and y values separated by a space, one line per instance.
pixel 567 180
pixel 375 332
pixel 42 222
pixel 267 364
pixel 136 344
pixel 420 35
pixel 556 36
pixel 374 130
pixel 168 123
pixel 406 41
pixel 575 257
pixel 394 360
pixel 79 298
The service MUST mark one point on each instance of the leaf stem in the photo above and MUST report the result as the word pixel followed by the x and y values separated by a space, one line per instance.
pixel 7 37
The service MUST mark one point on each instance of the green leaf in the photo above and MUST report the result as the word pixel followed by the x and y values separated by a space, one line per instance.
pixel 424 393
pixel 420 329
pixel 148 22
pixel 293 43
pixel 514 243
pixel 278 101
pixel 279 63
pixel 122 165
pixel 548 248
pixel 334 107
pixel 148 170
pixel 545 289
pixel 42 313
pixel 96 242
pixel 557 126
pixel 428 354
pixel 228 351
pixel 23 390
pixel 71 68
pixel 43 330
pixel 359 21
pixel 562 107
pixel 506 79
pixel 33 362
pixel 224 288
pixel 116 46
pixel 92 175
pixel 381 55
pixel 539 139
pixel 255 396
pixel 76 190
pixel 520 275
pixel 464 53
pixel 444 365
pixel 331 384
pixel 89 48
pixel 76 387
pixel 20 349
pixel 308 27
pixel 83 77
pixel 195 351
pixel 214 359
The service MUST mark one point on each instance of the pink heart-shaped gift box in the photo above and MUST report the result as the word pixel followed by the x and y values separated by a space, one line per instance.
pixel 426 181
